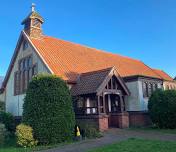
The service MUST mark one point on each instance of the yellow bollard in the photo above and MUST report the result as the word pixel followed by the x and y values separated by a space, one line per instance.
pixel 77 131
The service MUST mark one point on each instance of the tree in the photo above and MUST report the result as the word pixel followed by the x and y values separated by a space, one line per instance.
pixel 162 108
pixel 48 109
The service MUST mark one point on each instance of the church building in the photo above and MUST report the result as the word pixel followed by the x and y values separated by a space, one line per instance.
pixel 110 90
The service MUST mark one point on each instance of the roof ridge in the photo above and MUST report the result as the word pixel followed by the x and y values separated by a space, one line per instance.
pixel 157 69
pixel 96 71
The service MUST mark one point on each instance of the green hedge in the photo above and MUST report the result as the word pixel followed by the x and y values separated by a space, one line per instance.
pixel 2 134
pixel 48 109
pixel 162 108
pixel 2 106
pixel 8 120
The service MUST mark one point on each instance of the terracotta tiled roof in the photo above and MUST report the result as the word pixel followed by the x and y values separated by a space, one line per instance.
pixel 163 75
pixel 68 60
pixel 89 82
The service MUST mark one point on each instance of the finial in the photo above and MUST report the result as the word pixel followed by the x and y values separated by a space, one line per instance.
pixel 33 7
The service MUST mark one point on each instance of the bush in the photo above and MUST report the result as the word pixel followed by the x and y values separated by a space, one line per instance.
pixel 48 109
pixel 162 108
pixel 8 120
pixel 2 133
pixel 2 106
pixel 92 132
pixel 25 137
pixel 89 130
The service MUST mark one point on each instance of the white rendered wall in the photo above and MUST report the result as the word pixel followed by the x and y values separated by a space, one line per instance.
pixel 136 100
pixel 2 97
pixel 132 101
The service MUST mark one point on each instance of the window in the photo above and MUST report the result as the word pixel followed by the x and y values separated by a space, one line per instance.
pixel 149 88
pixel 34 70
pixel 25 45
pixel 156 86
pixel 170 87
pixel 26 70
pixel 145 89
pixel 16 83
pixel 167 87
pixel 80 103
pixel 36 23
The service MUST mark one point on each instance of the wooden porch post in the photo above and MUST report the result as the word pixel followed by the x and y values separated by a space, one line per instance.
pixel 98 104
pixel 104 103
pixel 121 103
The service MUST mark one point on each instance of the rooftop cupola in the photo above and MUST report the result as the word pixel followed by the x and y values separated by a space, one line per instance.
pixel 33 24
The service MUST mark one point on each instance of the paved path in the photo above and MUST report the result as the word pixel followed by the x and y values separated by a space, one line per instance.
pixel 113 135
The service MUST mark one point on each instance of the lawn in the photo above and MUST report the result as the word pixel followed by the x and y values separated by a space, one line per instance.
pixel 139 145
pixel 10 146
pixel 168 131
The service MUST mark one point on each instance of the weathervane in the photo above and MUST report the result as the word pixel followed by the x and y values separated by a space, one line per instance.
pixel 33 7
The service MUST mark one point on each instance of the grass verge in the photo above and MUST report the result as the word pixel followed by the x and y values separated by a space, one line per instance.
pixel 139 145
pixel 154 129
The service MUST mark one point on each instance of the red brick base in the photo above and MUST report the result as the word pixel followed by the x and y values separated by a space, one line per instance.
pixel 119 120
pixel 139 119
pixel 123 120
pixel 103 123
pixel 99 121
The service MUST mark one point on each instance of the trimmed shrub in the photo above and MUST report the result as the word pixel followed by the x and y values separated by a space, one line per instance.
pixel 48 109
pixel 92 132
pixel 25 137
pixel 2 133
pixel 2 106
pixel 8 120
pixel 89 130
pixel 162 108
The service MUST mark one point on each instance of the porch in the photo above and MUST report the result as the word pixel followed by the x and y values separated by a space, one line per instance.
pixel 107 110
pixel 104 107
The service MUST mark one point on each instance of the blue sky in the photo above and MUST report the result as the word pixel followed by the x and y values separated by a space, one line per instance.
pixel 141 29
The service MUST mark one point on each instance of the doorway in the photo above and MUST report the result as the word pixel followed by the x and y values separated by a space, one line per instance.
pixel 113 107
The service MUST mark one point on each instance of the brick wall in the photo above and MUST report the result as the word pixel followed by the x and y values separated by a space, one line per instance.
pixel 139 119
pixel 119 120
pixel 123 120
pixel 103 123
pixel 99 122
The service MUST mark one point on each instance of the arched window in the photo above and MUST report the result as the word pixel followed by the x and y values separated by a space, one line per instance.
pixel 149 89
pixel 26 70
pixel 145 89
pixel 25 45
pixel 156 86
pixel 167 87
